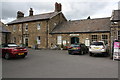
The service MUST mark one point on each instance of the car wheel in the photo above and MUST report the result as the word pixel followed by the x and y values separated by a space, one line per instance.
pixel 7 56
pixel 106 54
pixel 82 52
pixel 70 52
pixel 91 54
pixel 23 56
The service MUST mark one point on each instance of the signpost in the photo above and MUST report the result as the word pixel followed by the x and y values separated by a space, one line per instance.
pixel 116 50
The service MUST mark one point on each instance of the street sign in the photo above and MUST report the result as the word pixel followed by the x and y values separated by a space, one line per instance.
pixel 116 51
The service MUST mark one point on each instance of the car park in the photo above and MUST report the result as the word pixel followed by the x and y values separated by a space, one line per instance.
pixel 11 50
pixel 77 49
pixel 98 47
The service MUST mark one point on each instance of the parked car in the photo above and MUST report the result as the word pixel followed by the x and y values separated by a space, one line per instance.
pixel 12 50
pixel 77 49
pixel 98 48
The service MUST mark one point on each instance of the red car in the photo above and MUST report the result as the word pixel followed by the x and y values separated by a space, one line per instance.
pixel 12 50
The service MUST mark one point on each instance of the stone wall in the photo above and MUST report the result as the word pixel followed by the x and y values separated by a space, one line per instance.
pixel 82 37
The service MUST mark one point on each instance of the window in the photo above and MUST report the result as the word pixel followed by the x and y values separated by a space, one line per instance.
pixel 119 35
pixel 38 26
pixel 14 39
pixel 55 24
pixel 105 38
pixel 38 39
pixel 14 28
pixel 20 27
pixel 94 37
pixel 26 27
pixel 59 40
pixel 20 41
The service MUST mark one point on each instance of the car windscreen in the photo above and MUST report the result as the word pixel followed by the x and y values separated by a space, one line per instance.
pixel 75 45
pixel 97 43
pixel 12 45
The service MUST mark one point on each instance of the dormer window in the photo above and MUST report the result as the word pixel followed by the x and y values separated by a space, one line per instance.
pixel 38 26
pixel 26 27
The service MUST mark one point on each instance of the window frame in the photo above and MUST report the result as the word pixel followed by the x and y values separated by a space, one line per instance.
pixel 105 38
pixel 38 40
pixel 38 26
pixel 59 40
pixel 14 28
pixel 94 38
pixel 26 27
pixel 118 34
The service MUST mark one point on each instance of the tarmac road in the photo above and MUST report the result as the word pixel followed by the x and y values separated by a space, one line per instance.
pixel 58 64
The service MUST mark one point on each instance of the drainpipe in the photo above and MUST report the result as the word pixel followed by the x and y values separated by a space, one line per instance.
pixel 22 34
pixel 47 32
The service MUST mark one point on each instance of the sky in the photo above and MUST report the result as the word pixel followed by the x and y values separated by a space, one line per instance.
pixel 72 9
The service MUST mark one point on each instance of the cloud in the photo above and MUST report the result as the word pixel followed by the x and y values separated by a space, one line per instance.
pixel 71 9
pixel 9 9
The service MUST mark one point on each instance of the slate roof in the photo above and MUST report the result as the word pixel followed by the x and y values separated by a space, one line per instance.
pixel 2 29
pixel 44 16
pixel 83 26
pixel 115 15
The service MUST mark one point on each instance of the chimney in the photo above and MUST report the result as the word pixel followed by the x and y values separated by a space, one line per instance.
pixel 88 17
pixel 58 7
pixel 31 12
pixel 20 14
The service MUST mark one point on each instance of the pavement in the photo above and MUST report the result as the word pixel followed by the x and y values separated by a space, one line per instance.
pixel 59 64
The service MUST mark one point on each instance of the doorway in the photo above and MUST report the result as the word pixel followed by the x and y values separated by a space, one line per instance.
pixel 74 40
pixel 26 41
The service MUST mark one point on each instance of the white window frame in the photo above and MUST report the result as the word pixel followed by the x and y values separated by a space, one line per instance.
pixel 26 27
pixel 105 38
pixel 59 40
pixel 38 26
pixel 38 39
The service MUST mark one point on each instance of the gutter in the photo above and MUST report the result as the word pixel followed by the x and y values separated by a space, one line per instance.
pixel 79 32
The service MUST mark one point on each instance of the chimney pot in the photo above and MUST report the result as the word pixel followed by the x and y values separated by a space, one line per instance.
pixel 31 12
pixel 20 14
pixel 58 7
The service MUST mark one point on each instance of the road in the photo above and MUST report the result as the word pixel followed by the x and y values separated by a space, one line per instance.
pixel 58 64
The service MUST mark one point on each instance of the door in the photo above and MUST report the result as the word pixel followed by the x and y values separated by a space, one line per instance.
pixel 74 40
pixel 26 41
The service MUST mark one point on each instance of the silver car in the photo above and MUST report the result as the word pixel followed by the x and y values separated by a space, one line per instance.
pixel 98 47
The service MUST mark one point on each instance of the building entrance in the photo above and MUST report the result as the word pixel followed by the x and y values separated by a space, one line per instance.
pixel 74 40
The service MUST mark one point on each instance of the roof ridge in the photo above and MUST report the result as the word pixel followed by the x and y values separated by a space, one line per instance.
pixel 88 19
pixel 34 17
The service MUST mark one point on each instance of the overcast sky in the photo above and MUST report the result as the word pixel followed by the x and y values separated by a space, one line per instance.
pixel 72 9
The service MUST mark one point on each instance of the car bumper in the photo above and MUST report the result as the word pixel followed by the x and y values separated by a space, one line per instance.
pixel 74 51
pixel 97 51
pixel 18 55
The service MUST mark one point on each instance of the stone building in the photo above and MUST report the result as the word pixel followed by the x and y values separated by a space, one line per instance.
pixel 35 29
pixel 115 25
pixel 50 29
pixel 82 31
pixel 4 34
